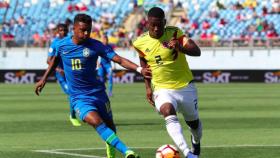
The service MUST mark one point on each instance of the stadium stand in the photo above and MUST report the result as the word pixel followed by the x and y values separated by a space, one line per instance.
pixel 231 19
pixel 210 22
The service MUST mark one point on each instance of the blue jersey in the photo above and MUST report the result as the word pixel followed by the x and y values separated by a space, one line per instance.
pixel 52 49
pixel 104 61
pixel 79 63
pixel 53 46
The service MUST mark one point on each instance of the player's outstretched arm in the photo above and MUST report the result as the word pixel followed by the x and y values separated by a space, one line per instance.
pixel 146 72
pixel 149 90
pixel 49 59
pixel 189 47
pixel 40 84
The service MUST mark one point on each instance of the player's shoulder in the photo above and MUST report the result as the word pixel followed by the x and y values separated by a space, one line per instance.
pixel 94 43
pixel 171 29
pixel 142 38
pixel 63 43
pixel 92 40
pixel 64 40
pixel 55 40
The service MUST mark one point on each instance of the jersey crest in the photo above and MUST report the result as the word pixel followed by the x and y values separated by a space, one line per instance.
pixel 86 52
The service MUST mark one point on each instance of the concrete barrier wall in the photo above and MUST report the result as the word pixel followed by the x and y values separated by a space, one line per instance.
pixel 241 59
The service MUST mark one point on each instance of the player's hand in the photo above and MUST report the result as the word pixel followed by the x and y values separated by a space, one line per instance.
pixel 173 44
pixel 147 72
pixel 39 86
pixel 149 95
pixel 60 71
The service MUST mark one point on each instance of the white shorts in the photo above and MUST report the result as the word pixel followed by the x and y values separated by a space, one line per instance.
pixel 183 100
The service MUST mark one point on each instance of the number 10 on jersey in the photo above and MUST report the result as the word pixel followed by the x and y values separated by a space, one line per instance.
pixel 76 64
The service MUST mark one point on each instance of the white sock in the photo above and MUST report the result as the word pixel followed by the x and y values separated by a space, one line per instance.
pixel 175 131
pixel 196 133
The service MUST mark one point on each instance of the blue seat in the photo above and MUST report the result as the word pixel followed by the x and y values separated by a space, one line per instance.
pixel 39 15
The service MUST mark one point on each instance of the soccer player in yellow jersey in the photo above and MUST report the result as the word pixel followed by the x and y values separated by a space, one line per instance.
pixel 171 88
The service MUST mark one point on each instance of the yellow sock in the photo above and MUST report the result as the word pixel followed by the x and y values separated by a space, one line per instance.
pixel 110 151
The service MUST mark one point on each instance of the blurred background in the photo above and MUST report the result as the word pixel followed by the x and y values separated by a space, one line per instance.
pixel 233 34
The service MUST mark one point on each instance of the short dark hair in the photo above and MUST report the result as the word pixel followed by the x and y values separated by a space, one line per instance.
pixel 156 12
pixel 105 36
pixel 62 25
pixel 83 18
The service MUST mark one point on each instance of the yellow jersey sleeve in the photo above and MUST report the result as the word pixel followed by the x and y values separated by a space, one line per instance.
pixel 170 69
pixel 138 43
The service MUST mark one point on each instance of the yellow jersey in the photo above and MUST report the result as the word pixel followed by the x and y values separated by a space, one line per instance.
pixel 169 68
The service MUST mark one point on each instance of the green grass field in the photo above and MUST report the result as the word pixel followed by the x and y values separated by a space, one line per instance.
pixel 239 121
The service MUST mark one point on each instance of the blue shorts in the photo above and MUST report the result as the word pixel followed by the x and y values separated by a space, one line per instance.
pixel 99 102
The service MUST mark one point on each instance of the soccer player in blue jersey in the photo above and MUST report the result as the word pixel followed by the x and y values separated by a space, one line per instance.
pixel 79 54
pixel 62 31
pixel 105 71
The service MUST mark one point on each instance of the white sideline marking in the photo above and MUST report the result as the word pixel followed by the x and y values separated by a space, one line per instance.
pixel 60 151
pixel 65 153
pixel 207 146
pixel 240 146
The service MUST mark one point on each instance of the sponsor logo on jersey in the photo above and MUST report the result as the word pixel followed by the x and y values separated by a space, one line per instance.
pixel 147 50
pixel 65 52
pixel 165 44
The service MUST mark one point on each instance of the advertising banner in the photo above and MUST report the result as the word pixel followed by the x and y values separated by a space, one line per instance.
pixel 23 76
pixel 124 76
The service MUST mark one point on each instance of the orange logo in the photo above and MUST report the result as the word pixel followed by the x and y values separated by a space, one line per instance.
pixel 216 73
pixel 20 73
pixel 276 73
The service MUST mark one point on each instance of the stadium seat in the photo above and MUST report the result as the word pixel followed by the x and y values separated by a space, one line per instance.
pixel 40 14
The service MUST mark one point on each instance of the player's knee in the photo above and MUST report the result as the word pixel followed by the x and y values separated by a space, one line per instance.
pixel 167 109
pixel 111 125
pixel 93 119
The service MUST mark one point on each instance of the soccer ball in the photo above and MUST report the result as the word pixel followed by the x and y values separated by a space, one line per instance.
pixel 167 151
